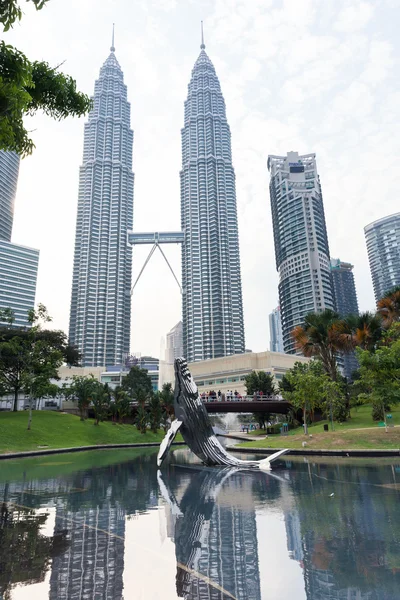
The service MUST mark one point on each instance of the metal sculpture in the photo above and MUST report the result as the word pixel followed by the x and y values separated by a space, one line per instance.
pixel 193 422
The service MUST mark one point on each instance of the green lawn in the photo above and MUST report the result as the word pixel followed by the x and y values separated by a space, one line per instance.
pixel 58 430
pixel 358 432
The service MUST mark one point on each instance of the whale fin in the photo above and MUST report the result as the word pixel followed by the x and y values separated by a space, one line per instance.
pixel 167 441
pixel 265 464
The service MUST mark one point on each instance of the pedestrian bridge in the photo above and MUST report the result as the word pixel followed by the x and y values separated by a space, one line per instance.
pixel 248 406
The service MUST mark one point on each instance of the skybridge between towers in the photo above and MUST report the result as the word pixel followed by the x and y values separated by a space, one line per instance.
pixel 155 239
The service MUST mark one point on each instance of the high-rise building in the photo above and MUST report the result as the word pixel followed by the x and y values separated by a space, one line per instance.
pixel 18 264
pixel 275 331
pixel 9 169
pixel 344 287
pixel 174 347
pixel 346 304
pixel 383 246
pixel 301 241
pixel 211 281
pixel 101 304
pixel 18 276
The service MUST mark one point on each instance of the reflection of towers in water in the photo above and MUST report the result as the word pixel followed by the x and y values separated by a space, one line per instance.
pixel 230 557
pixel 215 540
pixel 93 565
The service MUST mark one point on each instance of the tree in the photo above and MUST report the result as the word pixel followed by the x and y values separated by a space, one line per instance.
pixel 30 358
pixel 142 416
pixel 380 375
pixel 155 412
pixel 81 391
pixel 306 381
pixel 334 400
pixel 137 383
pixel 360 331
pixel 321 337
pixel 120 402
pixel 259 381
pixel 389 306
pixel 100 401
pixel 167 400
pixel 26 87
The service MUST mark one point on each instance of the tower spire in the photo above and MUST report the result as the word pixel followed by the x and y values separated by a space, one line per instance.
pixel 202 37
pixel 112 42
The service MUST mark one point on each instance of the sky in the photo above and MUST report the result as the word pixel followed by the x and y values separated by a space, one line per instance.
pixel 312 76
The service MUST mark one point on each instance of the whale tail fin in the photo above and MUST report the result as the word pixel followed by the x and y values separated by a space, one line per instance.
pixel 265 465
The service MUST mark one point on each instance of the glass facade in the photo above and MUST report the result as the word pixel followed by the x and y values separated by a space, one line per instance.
pixel 346 304
pixel 275 331
pixel 383 246
pixel 211 280
pixel 100 314
pixel 9 169
pixel 18 276
pixel 301 241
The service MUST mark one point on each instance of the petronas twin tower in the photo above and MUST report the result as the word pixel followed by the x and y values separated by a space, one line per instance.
pixel 102 274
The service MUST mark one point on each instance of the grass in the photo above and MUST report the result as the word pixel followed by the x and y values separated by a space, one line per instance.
pixel 58 430
pixel 359 432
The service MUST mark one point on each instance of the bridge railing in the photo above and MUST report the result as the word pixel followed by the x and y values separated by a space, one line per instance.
pixel 254 398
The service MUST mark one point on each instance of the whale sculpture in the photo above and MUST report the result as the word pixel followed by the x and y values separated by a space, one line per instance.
pixel 193 422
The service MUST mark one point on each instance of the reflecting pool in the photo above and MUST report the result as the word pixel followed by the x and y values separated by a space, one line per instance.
pixel 106 525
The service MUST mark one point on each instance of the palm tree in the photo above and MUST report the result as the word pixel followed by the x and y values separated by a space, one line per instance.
pixel 389 306
pixel 363 331
pixel 322 336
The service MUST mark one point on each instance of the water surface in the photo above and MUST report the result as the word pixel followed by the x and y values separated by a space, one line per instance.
pixel 105 525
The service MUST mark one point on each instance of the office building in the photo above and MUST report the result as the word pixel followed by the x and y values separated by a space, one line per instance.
pixel 100 314
pixel 346 304
pixel 344 287
pixel 18 276
pixel 9 169
pixel 275 331
pixel 174 347
pixel 383 246
pixel 18 264
pixel 211 281
pixel 301 241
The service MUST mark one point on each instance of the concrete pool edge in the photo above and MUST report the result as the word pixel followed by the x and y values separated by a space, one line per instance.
pixel 321 452
pixel 31 453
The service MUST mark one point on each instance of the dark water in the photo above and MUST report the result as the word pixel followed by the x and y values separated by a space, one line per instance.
pixel 105 526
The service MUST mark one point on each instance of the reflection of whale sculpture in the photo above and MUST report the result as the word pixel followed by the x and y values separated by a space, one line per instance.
pixel 194 424
pixel 209 566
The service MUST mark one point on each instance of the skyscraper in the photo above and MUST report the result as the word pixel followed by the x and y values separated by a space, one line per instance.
pixel 211 282
pixel 383 245
pixel 18 276
pixel 301 241
pixel 101 305
pixel 275 331
pixel 9 169
pixel 346 304
pixel 18 264
pixel 344 288
pixel 174 347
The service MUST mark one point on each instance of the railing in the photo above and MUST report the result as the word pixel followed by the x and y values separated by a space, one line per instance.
pixel 228 398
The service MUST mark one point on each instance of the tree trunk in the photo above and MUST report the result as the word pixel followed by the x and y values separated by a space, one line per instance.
pixel 15 407
pixel 305 420
pixel 30 414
